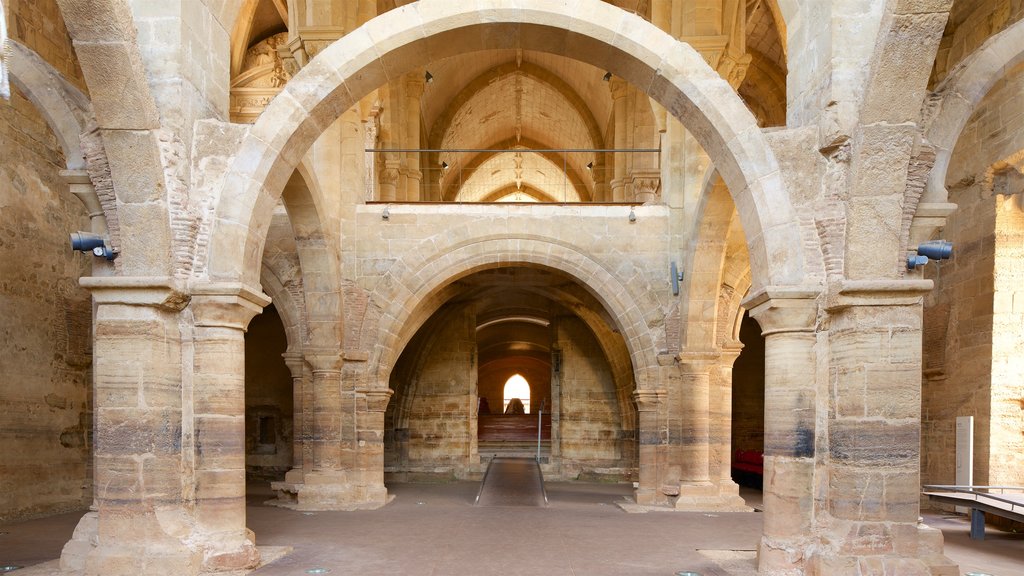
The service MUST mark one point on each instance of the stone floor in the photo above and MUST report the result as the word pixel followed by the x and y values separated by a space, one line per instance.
pixel 433 529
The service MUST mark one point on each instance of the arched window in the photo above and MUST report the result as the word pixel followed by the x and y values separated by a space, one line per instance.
pixel 516 388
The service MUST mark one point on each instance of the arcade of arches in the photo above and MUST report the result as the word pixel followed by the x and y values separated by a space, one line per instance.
pixel 330 231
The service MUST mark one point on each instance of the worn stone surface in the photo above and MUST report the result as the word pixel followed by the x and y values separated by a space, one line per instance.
pixel 397 315
pixel 45 324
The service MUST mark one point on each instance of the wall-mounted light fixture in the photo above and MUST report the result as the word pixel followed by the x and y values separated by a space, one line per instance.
pixel 428 77
pixel 931 250
pixel 386 213
pixel 607 76
pixel 89 242
pixel 632 215
pixel 444 165
pixel 590 165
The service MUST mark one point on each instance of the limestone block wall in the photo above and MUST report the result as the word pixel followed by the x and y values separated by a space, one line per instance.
pixel 443 397
pixel 45 323
pixel 969 25
pixel 38 24
pixel 269 409
pixel 590 428
pixel 973 332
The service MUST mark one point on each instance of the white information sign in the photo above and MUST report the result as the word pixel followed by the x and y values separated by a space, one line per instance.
pixel 964 453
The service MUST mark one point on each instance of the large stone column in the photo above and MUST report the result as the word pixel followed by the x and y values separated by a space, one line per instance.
pixel 720 429
pixel 652 409
pixel 619 89
pixel 221 313
pixel 788 323
pixel 413 87
pixel 699 483
pixel 297 366
pixel 869 518
pixel 346 426
pixel 142 523
pixel 368 475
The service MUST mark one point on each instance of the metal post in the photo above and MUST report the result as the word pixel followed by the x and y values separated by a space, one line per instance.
pixel 540 427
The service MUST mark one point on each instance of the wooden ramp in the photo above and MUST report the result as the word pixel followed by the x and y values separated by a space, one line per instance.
pixel 1005 501
pixel 512 482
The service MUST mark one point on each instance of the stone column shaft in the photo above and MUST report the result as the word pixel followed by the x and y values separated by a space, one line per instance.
pixel 138 459
pixel 720 469
pixel 874 432
pixel 328 414
pixel 413 91
pixel 653 439
pixel 297 366
pixel 788 324
pixel 694 436
pixel 221 314
pixel 619 88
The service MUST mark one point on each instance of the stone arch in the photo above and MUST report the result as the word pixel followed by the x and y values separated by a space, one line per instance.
pixel 961 92
pixel 408 295
pixel 442 124
pixel 705 257
pixel 451 189
pixel 321 276
pixel 671 72
pixel 286 305
pixel 67 111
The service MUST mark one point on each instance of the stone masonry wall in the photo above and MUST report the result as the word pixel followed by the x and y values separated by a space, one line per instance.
pixel 39 25
pixel 45 323
pixel 969 25
pixel 590 424
pixel 973 334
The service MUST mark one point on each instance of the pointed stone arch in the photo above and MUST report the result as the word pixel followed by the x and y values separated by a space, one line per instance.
pixel 961 92
pixel 409 295
pixel 671 72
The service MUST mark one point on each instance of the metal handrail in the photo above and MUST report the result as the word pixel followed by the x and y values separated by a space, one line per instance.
pixel 976 492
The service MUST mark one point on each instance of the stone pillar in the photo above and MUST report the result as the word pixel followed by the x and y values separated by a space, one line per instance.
pixel 297 366
pixel 143 518
pixel 371 405
pixel 413 87
pixel 699 485
pixel 347 437
pixel 720 430
pixel 788 321
pixel 619 89
pixel 871 502
pixel 389 180
pixel 221 313
pixel 652 425
pixel 694 406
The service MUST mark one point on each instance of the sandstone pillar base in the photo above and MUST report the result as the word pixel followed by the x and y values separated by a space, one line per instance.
pixel 709 497
pixel 321 491
pixel 857 548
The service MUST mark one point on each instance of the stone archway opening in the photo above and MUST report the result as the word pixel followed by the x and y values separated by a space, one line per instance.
pixel 516 324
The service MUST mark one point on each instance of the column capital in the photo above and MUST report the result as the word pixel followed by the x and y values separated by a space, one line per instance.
pixel 784 309
pixel 153 291
pixel 296 362
pixel 698 360
pixel 324 360
pixel 729 352
pixel 226 304
pixel 376 398
pixel 649 400
pixel 850 293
